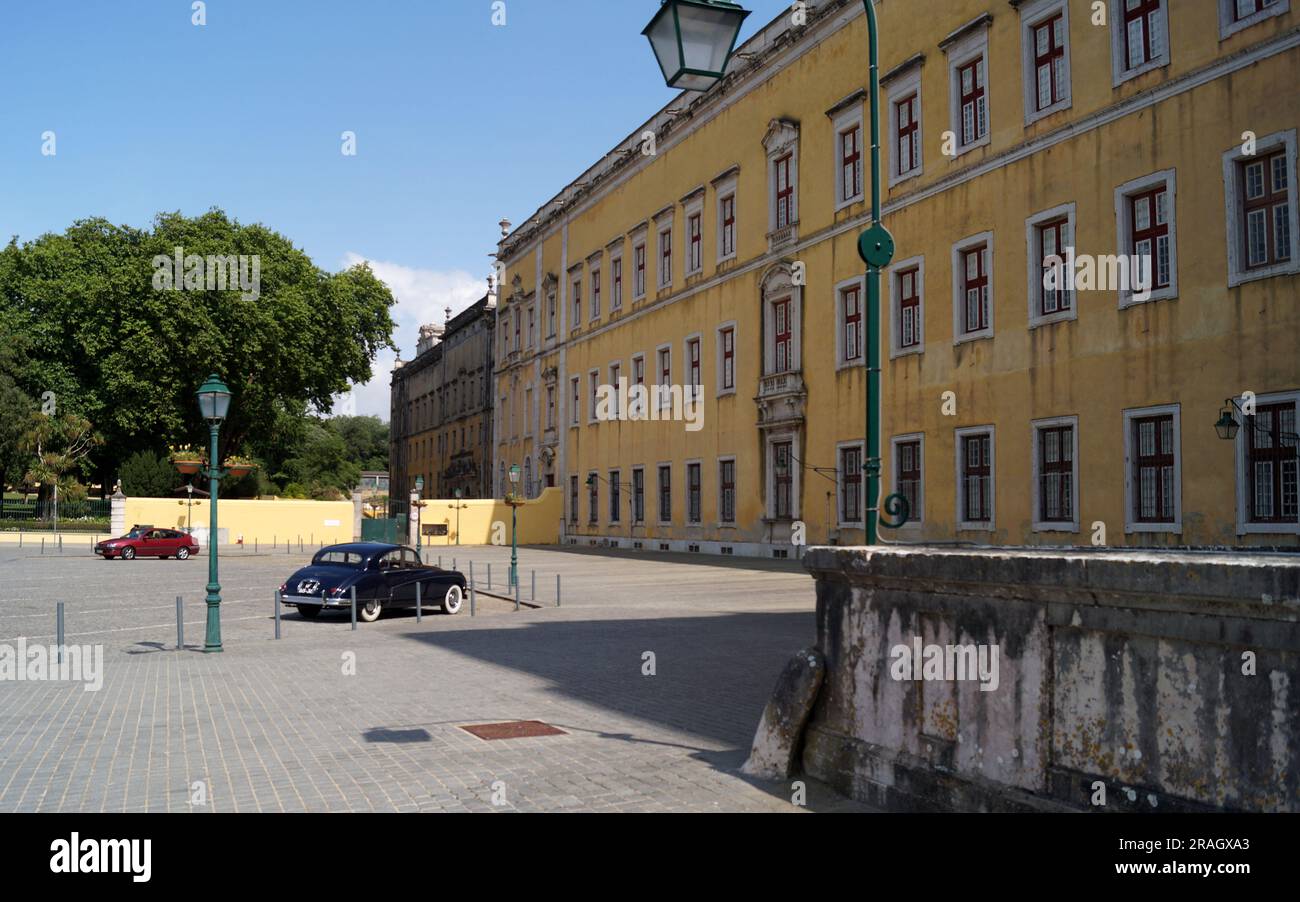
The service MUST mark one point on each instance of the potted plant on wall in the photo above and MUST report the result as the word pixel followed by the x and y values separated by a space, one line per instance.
pixel 238 467
pixel 186 459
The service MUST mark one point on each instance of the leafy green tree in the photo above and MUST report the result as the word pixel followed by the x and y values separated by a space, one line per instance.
pixel 58 446
pixel 323 464
pixel 148 475
pixel 16 408
pixel 366 439
pixel 129 356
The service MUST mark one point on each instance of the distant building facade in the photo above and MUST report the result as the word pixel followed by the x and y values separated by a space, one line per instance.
pixel 442 408
pixel 1015 411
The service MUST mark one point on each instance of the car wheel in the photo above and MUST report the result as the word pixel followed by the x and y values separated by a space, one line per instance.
pixel 128 554
pixel 309 611
pixel 369 611
pixel 183 554
pixel 452 601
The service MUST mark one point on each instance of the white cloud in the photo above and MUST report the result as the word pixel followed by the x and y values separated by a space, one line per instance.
pixel 422 297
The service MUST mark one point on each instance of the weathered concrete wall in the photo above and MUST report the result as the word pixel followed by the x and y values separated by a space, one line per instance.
pixel 1172 679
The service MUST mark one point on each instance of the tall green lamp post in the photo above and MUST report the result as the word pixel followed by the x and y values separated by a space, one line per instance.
pixel 514 501
pixel 214 404
pixel 693 41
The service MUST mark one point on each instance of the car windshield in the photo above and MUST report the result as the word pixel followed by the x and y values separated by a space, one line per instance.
pixel 339 559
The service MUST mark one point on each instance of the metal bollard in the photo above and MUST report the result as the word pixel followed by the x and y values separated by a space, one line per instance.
pixel 419 604
pixel 453 563
pixel 516 595
pixel 472 594
pixel 354 608
pixel 58 628
pixel 277 613
pixel 557 590
pixel 534 595
pixel 42 544
pixel 254 546
pixel 489 566
pixel 439 562
pixel 60 544
pixel 288 548
pixel 180 623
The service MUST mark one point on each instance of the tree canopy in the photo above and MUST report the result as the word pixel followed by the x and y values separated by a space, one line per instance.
pixel 128 357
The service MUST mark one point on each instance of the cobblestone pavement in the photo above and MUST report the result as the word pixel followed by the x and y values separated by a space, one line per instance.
pixel 278 726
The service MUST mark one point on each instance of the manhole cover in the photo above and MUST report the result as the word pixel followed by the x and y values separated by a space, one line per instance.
pixel 513 729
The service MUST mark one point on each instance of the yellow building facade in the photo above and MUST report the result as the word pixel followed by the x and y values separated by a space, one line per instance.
pixel 1038 389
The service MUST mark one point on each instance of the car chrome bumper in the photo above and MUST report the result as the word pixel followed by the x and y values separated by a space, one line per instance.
pixel 340 602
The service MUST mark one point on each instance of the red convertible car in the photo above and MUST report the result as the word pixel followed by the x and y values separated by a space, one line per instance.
pixel 147 541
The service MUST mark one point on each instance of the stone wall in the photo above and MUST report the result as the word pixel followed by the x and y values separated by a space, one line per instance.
pixel 1153 681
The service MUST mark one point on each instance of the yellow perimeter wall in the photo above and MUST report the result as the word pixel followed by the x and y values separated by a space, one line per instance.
pixel 266 522
pixel 538 520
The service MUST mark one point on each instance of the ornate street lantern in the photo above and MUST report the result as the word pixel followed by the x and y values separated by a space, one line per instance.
pixel 693 40
pixel 1227 425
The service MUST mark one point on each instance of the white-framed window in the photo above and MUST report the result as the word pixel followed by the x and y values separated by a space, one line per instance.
pixel 850 321
pixel 972 288
pixel 664 375
pixel 1262 212
pixel 664 499
pixel 1153 471
pixel 782 321
pixel 528 412
pixel 550 407
pixel 907 453
pixel 968 66
pixel 782 145
pixel 907 307
pixel 1139 39
pixel 784 477
pixel 532 325
pixel 1049 244
pixel 1235 15
pixel 848 150
pixel 850 489
pixel 724 189
pixel 1148 236
pixel 906 133
pixel 1268 466
pixel 1045 39
pixel 976 477
pixel 616 279
pixel 726 359
pixel 638 495
pixel 693 233
pixel 694 492
pixel 693 380
pixel 575 297
pixel 727 490
pixel 616 370
pixel 593 392
pixel 594 313
pixel 1055 467
pixel 664 258
pixel 550 314
pixel 639 264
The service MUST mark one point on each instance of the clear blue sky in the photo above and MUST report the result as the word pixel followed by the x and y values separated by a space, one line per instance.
pixel 458 122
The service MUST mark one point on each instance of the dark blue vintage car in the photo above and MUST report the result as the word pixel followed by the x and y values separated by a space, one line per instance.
pixel 385 576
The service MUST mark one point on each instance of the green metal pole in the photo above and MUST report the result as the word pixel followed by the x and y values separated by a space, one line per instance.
pixel 213 641
pixel 514 545
pixel 876 248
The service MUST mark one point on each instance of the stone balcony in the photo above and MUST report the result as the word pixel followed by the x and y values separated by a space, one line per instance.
pixel 782 399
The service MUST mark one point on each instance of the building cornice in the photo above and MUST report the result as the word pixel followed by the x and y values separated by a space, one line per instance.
pixel 755 61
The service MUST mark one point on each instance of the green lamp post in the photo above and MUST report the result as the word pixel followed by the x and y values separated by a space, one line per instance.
pixel 214 404
pixel 514 501
pixel 693 41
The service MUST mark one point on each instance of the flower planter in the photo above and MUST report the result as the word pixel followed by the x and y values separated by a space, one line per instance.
pixel 239 471
pixel 188 466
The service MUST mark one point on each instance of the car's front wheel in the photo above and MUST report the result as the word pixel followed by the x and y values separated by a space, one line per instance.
pixel 369 611
pixel 128 553
pixel 452 601
pixel 183 554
